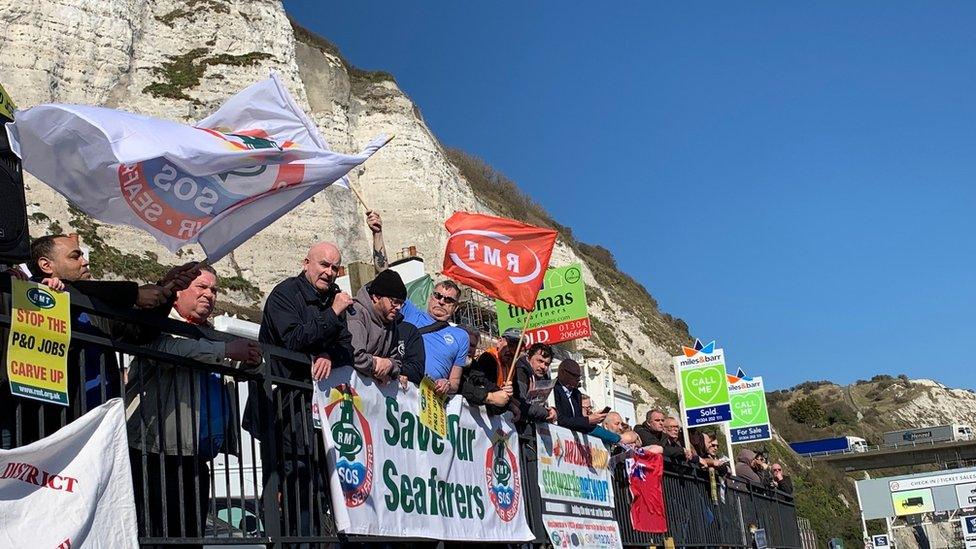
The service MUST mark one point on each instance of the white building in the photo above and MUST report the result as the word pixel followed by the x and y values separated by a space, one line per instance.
pixel 599 384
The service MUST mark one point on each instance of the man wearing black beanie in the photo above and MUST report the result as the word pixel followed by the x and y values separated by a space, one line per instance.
pixel 384 346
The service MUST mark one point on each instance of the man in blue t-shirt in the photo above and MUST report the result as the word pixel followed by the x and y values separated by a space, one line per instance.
pixel 445 345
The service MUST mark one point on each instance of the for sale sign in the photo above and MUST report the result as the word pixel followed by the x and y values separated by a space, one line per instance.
pixel 560 309
pixel 750 418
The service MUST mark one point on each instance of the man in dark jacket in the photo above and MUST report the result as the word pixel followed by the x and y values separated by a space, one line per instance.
pixel 384 346
pixel 529 370
pixel 94 376
pixel 569 399
pixel 652 430
pixel 783 482
pixel 306 314
pixel 673 443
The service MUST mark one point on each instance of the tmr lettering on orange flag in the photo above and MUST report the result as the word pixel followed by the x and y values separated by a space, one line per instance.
pixel 503 258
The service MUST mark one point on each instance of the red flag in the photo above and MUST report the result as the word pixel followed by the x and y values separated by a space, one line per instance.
pixel 647 512
pixel 503 258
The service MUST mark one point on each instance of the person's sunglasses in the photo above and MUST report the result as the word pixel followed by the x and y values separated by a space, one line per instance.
pixel 397 302
pixel 445 298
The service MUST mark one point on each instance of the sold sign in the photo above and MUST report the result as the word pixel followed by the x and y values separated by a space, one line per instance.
pixel 703 385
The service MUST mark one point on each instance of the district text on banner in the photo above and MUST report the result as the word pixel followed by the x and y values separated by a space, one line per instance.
pixel 72 488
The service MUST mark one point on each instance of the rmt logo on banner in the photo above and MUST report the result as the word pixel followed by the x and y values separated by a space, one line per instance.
pixel 353 443
pixel 502 478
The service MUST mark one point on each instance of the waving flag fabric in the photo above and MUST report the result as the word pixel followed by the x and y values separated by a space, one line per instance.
pixel 647 511
pixel 216 183
pixel 503 258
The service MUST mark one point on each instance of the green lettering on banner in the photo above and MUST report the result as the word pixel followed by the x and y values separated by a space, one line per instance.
pixel 561 304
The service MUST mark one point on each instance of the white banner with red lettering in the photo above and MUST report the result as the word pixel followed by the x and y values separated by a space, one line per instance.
pixel 392 476
pixel 71 489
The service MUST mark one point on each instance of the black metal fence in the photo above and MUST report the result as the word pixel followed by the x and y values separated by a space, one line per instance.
pixel 229 455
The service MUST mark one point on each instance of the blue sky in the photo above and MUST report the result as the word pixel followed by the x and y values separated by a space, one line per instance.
pixel 793 180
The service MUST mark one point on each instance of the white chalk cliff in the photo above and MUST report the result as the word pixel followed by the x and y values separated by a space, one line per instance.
pixel 179 59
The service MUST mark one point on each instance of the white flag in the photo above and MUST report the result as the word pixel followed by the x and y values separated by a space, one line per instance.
pixel 216 183
pixel 71 489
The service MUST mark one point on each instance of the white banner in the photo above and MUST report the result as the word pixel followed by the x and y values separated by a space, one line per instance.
pixel 216 183
pixel 392 476
pixel 576 484
pixel 71 489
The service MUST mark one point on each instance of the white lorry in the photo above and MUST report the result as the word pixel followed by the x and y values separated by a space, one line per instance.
pixel 928 435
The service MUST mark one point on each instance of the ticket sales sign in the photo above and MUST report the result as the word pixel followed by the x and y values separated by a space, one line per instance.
pixel 560 309
pixel 703 384
pixel 37 348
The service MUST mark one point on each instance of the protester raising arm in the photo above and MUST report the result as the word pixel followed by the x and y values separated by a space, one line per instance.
pixel 379 247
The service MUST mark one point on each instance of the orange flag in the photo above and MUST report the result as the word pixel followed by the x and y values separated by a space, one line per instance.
pixel 503 258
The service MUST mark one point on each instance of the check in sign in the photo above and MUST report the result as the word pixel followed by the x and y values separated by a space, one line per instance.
pixel 704 388
pixel 37 349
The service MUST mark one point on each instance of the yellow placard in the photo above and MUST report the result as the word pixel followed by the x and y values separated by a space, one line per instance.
pixel 433 413
pixel 37 349
pixel 7 106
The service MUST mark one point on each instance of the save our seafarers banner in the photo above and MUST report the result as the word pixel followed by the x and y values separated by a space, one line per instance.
pixel 390 475
pixel 72 488
pixel 576 484
pixel 40 330
pixel 560 309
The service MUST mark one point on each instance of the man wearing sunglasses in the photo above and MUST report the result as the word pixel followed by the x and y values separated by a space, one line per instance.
pixel 445 345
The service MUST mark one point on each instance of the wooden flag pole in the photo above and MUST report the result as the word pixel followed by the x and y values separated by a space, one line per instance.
pixel 353 189
pixel 359 196
pixel 518 348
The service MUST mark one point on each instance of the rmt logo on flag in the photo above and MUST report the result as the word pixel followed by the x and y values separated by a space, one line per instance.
pixel 503 258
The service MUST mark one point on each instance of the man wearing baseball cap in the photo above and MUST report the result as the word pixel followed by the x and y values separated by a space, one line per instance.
pixel 384 346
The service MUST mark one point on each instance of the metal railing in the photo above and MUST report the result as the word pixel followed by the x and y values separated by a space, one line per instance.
pixel 261 480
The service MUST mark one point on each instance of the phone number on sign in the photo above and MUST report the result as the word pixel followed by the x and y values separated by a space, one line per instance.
pixel 574 329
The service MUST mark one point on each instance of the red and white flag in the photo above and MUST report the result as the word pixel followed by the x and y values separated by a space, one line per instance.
pixel 216 183
pixel 503 258
pixel 647 511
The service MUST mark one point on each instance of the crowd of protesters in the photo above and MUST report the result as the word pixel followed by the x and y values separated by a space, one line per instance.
pixel 179 419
